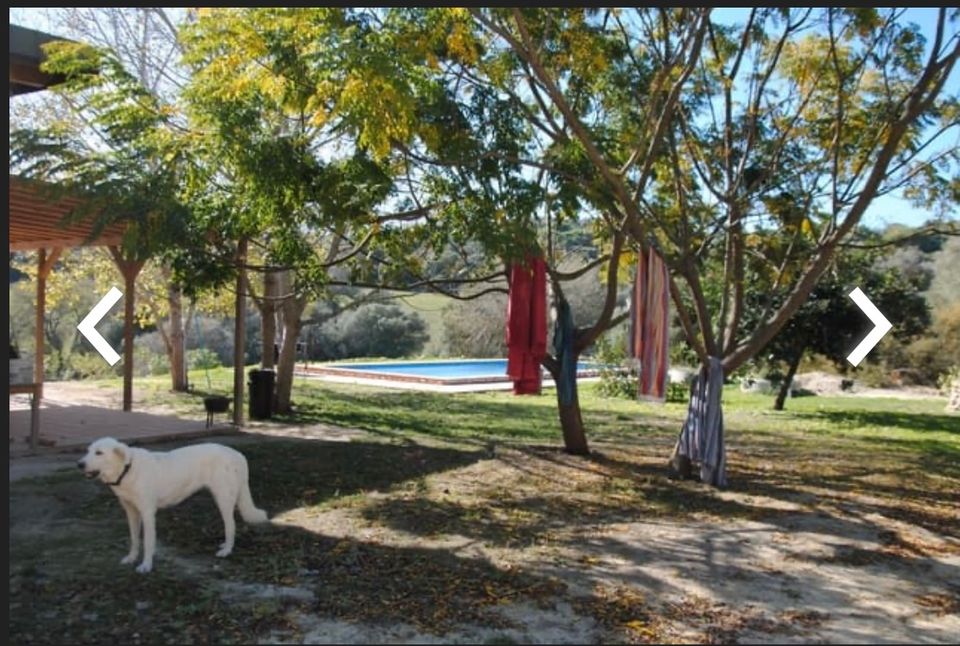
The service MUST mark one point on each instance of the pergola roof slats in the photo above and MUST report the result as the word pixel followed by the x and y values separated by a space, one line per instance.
pixel 36 220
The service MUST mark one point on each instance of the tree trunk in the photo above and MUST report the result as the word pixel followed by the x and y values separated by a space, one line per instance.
pixel 788 380
pixel 177 351
pixel 268 319
pixel 240 333
pixel 291 310
pixel 571 421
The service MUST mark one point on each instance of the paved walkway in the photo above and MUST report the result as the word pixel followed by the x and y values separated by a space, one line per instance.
pixel 72 427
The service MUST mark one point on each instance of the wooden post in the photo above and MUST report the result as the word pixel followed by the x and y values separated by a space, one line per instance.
pixel 128 302
pixel 240 333
pixel 44 266
pixel 38 346
pixel 130 269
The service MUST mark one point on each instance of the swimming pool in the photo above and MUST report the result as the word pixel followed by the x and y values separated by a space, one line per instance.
pixel 452 372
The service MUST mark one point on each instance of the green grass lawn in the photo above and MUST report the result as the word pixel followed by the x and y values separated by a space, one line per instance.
pixel 853 423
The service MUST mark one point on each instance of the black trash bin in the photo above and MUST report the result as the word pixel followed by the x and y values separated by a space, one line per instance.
pixel 261 393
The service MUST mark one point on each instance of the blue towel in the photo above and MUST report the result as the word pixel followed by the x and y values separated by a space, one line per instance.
pixel 701 439
pixel 563 336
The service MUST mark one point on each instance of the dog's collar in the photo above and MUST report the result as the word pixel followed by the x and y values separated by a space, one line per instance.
pixel 126 469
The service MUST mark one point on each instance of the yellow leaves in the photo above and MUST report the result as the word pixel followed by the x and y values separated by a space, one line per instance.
pixel 583 54
pixel 319 118
pixel 386 111
pixel 430 135
pixel 498 70
pixel 462 45
pixel 459 13
pixel 642 629
pixel 273 87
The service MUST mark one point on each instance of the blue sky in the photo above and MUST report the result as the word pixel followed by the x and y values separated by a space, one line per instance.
pixel 884 210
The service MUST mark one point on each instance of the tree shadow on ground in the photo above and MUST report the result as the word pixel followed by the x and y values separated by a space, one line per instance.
pixel 679 498
pixel 67 585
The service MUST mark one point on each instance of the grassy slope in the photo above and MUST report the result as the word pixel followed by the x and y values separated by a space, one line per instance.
pixel 430 308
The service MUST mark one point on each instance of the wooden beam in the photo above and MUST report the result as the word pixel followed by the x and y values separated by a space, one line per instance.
pixel 77 241
pixel 239 333
pixel 26 72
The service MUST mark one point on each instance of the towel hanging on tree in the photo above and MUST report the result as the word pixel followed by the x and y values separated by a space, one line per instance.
pixel 564 334
pixel 648 339
pixel 526 333
pixel 701 439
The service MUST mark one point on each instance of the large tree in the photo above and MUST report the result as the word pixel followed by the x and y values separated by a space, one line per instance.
pixel 433 94
pixel 88 132
pixel 712 142
pixel 303 183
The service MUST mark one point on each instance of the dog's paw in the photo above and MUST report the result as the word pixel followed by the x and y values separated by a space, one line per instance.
pixel 224 552
pixel 144 567
pixel 128 559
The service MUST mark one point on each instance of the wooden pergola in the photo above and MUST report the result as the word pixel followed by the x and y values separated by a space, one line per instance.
pixel 36 222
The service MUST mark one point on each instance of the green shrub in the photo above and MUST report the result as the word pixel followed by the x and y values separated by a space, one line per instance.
pixel 91 366
pixel 678 393
pixel 203 358
pixel 147 362
pixel 475 328
pixel 948 379
pixel 373 330
pixel 617 376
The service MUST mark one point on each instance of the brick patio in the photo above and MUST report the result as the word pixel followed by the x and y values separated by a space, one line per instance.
pixel 73 427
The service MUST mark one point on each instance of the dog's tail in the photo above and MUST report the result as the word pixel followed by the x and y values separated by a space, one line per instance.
pixel 248 511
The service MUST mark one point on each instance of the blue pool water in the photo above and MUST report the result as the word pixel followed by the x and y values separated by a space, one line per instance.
pixel 446 370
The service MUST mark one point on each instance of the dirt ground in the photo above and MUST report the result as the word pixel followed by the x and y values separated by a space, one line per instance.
pixel 525 546
pixel 824 383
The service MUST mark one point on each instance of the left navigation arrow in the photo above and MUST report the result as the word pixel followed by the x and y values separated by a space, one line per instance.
pixel 88 325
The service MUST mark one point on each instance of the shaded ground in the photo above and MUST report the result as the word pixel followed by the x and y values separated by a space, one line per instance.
pixel 458 522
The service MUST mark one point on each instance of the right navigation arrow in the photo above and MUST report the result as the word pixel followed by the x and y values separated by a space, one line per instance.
pixel 880 322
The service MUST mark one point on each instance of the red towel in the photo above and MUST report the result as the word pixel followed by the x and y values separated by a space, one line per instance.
pixel 527 325
pixel 648 339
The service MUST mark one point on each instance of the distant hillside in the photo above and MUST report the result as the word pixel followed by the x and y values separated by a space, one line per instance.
pixel 429 307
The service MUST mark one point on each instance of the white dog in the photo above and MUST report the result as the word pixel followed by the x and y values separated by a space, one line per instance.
pixel 145 481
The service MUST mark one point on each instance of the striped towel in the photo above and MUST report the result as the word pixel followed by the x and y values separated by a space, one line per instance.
pixel 648 337
pixel 701 439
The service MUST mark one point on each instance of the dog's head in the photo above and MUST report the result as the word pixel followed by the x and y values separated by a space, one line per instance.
pixel 105 459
